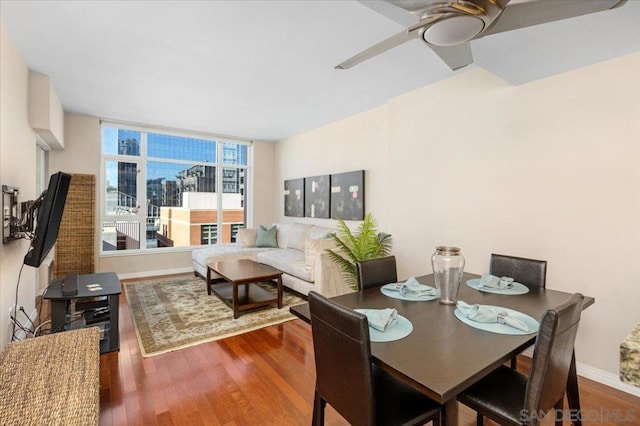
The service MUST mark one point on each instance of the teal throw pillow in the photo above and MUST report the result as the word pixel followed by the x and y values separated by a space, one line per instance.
pixel 266 237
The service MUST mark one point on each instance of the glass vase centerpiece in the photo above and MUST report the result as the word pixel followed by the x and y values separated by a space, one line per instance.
pixel 448 266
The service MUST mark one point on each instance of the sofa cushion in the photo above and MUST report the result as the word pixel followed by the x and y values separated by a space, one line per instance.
pixel 298 236
pixel 224 252
pixel 289 261
pixel 266 237
pixel 246 237
pixel 320 232
pixel 314 249
pixel 282 236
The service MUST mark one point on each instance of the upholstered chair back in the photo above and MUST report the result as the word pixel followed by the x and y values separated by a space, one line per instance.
pixel 376 272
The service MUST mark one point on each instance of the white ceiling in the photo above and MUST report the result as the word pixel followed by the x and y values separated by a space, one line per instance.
pixel 263 70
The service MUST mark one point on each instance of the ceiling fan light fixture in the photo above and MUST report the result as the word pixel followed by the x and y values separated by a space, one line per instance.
pixel 453 30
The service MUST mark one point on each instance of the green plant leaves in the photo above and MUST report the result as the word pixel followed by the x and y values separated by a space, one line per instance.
pixel 365 243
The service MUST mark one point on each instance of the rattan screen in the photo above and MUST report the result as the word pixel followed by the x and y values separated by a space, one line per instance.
pixel 75 247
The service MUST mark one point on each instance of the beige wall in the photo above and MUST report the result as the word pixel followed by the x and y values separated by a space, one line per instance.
pixel 46 114
pixel 357 143
pixel 82 147
pixel 139 265
pixel 17 168
pixel 546 170
pixel 262 184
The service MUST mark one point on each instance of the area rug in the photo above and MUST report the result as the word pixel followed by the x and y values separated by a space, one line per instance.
pixel 176 312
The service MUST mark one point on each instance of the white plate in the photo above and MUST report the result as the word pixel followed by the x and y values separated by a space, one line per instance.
pixel 494 327
pixel 389 290
pixel 516 288
pixel 399 331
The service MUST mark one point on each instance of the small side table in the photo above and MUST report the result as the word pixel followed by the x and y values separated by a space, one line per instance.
pixel 109 286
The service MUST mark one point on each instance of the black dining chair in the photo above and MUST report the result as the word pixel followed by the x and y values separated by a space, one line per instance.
pixel 346 378
pixel 376 272
pixel 510 398
pixel 530 272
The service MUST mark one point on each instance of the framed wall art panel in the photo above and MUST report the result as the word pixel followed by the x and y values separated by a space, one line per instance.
pixel 294 197
pixel 316 197
pixel 347 195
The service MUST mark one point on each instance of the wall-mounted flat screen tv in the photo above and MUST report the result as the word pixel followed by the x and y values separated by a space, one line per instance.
pixel 50 206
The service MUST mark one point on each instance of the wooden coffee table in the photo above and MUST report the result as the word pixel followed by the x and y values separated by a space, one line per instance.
pixel 238 286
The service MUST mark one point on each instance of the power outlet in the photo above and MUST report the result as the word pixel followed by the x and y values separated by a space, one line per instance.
pixel 23 322
pixel 13 311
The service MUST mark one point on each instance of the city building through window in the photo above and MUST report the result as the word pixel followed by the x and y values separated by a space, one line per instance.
pixel 164 190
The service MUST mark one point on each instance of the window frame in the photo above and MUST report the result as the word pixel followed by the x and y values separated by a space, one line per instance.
pixel 140 215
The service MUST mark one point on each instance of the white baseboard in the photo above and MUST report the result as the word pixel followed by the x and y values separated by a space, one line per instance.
pixel 145 274
pixel 600 376
pixel 606 378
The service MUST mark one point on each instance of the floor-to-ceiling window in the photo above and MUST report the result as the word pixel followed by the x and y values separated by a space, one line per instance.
pixel 165 189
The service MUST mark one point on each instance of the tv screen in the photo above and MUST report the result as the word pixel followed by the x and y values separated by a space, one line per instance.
pixel 49 218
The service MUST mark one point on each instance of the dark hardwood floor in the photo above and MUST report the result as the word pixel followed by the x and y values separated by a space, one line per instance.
pixel 262 377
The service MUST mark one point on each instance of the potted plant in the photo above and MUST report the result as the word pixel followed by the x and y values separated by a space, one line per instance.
pixel 365 243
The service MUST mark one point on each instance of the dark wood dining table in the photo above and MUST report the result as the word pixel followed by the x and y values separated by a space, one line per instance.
pixel 443 356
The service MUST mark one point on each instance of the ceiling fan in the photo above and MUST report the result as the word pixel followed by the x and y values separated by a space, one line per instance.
pixel 448 26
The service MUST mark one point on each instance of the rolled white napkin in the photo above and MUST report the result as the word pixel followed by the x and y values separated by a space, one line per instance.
pixel 491 281
pixel 481 313
pixel 411 287
pixel 380 319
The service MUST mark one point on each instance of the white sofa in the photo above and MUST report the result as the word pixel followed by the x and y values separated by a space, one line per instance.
pixel 300 255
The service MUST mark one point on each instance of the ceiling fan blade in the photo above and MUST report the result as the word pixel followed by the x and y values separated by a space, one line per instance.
pixel 392 11
pixel 457 56
pixel 525 13
pixel 377 49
